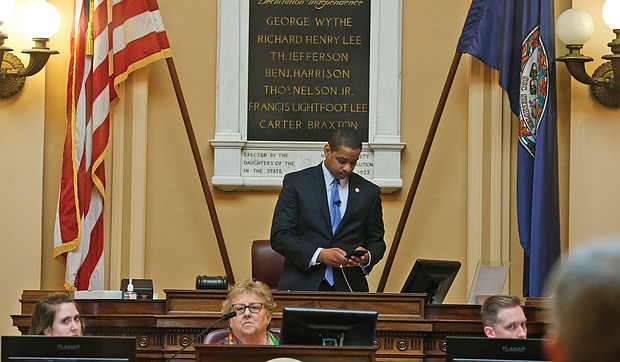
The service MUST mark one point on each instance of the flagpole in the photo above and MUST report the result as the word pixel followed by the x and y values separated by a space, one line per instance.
pixel 200 168
pixel 420 168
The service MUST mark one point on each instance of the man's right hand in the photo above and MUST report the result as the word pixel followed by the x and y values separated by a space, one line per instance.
pixel 334 257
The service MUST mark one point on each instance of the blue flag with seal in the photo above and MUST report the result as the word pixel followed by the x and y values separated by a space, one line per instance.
pixel 516 37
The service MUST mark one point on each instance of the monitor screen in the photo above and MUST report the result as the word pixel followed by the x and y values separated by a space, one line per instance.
pixel 433 277
pixel 310 326
pixel 74 349
pixel 482 349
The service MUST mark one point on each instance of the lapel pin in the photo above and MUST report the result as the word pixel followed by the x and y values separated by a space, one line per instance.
pixel 357 189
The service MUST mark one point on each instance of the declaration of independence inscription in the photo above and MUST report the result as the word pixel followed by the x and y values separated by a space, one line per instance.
pixel 309 69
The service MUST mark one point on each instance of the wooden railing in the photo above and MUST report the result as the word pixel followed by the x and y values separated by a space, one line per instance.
pixel 407 329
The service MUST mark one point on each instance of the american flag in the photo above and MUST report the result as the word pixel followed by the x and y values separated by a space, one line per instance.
pixel 109 40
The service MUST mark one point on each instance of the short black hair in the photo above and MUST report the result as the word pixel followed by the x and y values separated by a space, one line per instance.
pixel 347 137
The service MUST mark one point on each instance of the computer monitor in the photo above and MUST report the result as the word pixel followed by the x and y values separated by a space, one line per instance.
pixel 313 326
pixel 73 349
pixel 433 277
pixel 482 349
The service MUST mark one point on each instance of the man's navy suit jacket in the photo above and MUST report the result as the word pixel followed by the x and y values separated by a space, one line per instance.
pixel 301 223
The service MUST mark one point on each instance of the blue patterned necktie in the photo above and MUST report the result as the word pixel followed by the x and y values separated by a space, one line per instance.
pixel 334 211
pixel 334 206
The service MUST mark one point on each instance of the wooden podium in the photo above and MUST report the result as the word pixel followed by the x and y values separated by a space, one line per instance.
pixel 236 353
pixel 407 329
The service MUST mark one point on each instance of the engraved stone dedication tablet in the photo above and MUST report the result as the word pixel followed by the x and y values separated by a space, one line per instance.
pixel 292 71
pixel 309 70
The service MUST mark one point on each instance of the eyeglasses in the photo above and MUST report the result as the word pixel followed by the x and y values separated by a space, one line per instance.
pixel 254 308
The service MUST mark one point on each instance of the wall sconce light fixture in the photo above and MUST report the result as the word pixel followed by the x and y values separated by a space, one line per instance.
pixel 42 20
pixel 574 27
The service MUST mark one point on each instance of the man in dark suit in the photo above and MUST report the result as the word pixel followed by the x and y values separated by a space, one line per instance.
pixel 325 212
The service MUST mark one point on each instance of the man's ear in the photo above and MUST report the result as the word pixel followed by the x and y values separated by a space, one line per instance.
pixel 326 149
pixel 553 349
pixel 489 332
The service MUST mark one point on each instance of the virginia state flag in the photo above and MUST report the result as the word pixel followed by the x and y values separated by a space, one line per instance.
pixel 517 38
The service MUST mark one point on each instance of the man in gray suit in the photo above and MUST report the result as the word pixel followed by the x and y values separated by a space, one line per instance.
pixel 324 213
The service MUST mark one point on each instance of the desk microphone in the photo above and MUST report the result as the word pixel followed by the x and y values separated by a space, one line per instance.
pixel 338 203
pixel 226 316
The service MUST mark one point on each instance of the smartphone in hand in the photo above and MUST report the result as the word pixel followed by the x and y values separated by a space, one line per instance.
pixel 358 253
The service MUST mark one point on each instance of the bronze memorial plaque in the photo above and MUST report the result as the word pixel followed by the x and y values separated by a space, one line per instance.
pixel 309 68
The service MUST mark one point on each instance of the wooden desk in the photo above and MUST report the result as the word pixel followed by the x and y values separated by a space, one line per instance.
pixel 407 329
pixel 230 353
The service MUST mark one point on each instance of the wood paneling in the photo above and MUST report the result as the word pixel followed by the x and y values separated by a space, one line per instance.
pixel 407 329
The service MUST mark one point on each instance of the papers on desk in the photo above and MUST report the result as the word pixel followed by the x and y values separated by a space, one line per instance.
pixel 489 279
pixel 98 294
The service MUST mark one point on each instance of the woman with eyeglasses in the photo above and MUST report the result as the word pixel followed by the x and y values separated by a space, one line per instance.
pixel 254 305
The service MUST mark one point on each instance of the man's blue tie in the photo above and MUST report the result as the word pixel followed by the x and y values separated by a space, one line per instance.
pixel 334 211
pixel 334 206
